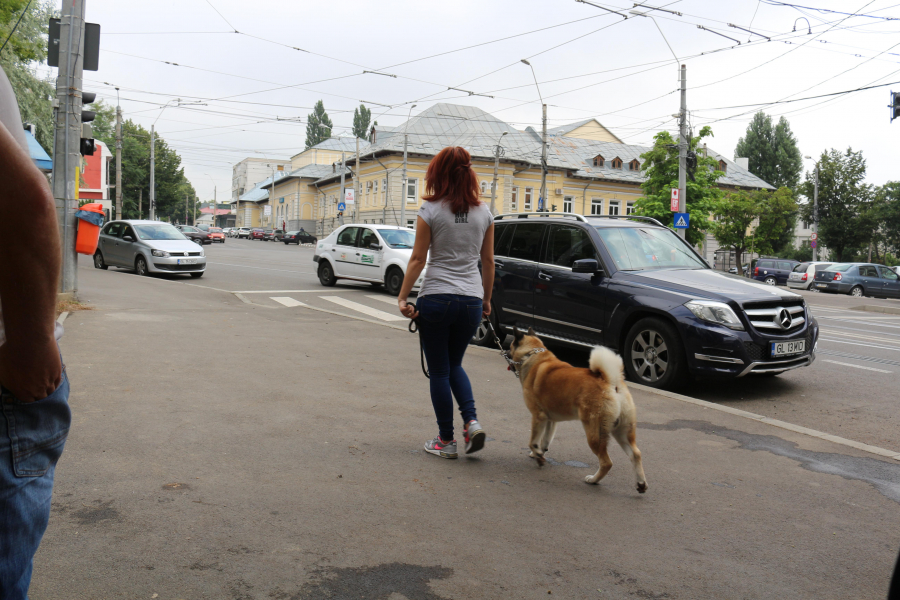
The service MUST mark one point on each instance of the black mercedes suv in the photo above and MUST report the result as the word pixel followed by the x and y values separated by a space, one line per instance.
pixel 633 285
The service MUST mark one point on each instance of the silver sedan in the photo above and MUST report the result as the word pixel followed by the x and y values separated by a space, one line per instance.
pixel 148 247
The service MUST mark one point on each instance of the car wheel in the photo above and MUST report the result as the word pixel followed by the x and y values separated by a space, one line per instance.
pixel 199 242
pixel 393 281
pixel 140 266
pixel 770 281
pixel 98 261
pixel 654 355
pixel 286 243
pixel 197 275
pixel 326 274
pixel 857 292
pixel 483 335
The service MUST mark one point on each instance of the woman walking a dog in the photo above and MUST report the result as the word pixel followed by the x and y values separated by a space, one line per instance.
pixel 458 229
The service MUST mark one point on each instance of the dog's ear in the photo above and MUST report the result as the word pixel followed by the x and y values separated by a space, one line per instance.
pixel 517 335
pixel 531 331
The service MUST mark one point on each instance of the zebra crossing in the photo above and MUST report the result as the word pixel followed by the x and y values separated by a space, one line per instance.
pixel 315 298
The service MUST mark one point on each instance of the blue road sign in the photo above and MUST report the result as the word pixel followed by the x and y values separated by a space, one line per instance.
pixel 342 207
pixel 682 220
pixel 540 204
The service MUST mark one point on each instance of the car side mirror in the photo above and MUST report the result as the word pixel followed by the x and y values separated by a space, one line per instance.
pixel 586 265
pixel 127 238
pixel 374 246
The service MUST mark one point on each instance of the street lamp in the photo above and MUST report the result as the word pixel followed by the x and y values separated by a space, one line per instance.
pixel 496 167
pixel 405 191
pixel 815 211
pixel 543 198
pixel 153 158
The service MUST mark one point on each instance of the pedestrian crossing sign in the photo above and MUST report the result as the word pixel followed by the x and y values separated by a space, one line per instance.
pixel 682 220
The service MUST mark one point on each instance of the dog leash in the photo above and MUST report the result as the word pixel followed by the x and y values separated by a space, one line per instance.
pixel 414 328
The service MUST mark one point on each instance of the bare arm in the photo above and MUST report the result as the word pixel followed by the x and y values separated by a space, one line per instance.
pixel 29 275
pixel 415 266
pixel 487 268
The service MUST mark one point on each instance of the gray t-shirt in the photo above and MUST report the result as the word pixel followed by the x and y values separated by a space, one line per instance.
pixel 456 240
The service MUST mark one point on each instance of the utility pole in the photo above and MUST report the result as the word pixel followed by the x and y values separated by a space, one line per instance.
pixel 195 212
pixel 404 185
pixel 341 197
pixel 118 159
pixel 496 168
pixel 152 172
pixel 682 149
pixel 543 200
pixel 185 208
pixel 358 194
pixel 815 215
pixel 67 135
pixel 140 201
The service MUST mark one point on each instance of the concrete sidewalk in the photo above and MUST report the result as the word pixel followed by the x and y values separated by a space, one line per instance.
pixel 224 450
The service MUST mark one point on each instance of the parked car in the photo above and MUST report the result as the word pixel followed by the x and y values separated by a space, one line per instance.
pixel 216 235
pixel 203 227
pixel 194 234
pixel 148 247
pixel 744 270
pixel 241 232
pixel 633 285
pixel 377 254
pixel 227 231
pixel 804 275
pixel 859 279
pixel 273 235
pixel 774 271
pixel 256 233
pixel 298 237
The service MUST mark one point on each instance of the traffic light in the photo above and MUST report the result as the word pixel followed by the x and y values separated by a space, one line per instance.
pixel 895 106
pixel 87 134
pixel 553 207
pixel 691 164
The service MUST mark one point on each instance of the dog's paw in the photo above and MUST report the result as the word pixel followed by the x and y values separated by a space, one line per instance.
pixel 531 454
pixel 642 487
pixel 541 461
pixel 590 479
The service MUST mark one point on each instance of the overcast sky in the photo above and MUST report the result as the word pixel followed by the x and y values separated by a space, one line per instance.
pixel 588 63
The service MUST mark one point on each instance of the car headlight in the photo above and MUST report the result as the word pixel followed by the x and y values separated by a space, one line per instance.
pixel 160 253
pixel 715 312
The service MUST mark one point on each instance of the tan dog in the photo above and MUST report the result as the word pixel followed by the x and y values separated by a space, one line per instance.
pixel 556 391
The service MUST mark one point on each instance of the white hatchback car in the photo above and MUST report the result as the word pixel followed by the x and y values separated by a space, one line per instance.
pixel 801 278
pixel 377 254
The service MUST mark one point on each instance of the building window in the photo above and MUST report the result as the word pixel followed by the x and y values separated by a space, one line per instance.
pixel 484 185
pixel 375 184
pixel 614 208
pixel 514 199
pixel 599 161
pixel 634 165
pixel 411 223
pixel 412 186
pixel 384 188
pixel 528 193
pixel 596 206
pixel 629 208
pixel 567 204
pixel 617 163
pixel 723 166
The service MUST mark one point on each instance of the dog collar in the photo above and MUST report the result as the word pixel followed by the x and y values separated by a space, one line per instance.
pixel 530 353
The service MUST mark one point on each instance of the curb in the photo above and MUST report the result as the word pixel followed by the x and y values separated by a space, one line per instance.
pixel 774 422
pixel 886 310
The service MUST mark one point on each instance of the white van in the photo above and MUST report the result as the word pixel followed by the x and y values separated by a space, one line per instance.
pixel 377 254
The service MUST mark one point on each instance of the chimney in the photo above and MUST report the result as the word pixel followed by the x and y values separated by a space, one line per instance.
pixel 743 163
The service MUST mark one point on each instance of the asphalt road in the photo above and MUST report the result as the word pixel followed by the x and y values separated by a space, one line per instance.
pixel 235 447
pixel 851 390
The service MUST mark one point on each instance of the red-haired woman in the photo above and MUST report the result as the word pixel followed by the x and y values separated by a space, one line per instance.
pixel 458 229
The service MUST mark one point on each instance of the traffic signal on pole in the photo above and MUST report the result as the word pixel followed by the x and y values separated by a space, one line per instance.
pixel 87 134
pixel 553 207
pixel 895 106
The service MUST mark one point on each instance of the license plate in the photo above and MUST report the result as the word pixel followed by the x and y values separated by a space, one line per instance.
pixel 788 348
pixel 822 285
pixel 187 261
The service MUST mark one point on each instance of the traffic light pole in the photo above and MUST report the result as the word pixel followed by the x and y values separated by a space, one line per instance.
pixel 683 149
pixel 67 137
pixel 119 162
pixel 152 216
pixel 815 215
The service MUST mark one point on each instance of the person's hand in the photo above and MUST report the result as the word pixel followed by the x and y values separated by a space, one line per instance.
pixel 406 310
pixel 31 373
pixel 486 308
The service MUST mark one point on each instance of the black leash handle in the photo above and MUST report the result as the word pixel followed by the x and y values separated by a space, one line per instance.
pixel 414 328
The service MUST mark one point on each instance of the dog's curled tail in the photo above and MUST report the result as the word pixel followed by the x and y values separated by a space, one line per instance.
pixel 607 363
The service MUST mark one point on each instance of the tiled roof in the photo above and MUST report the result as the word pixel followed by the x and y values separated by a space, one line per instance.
pixel 258 192
pixel 478 132
pixel 347 144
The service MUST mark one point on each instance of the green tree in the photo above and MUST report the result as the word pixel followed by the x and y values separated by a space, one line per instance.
pixel 777 219
pixel 885 214
pixel 734 215
pixel 772 150
pixel 845 219
pixel 660 168
pixel 362 116
pixel 318 125
pixel 27 47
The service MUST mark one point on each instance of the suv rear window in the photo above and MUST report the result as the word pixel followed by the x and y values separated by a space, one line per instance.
pixel 526 241
pixel 501 243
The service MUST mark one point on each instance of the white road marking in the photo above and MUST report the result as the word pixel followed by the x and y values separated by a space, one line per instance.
pixel 366 310
pixel 319 291
pixel 385 299
pixel 260 268
pixel 834 362
pixel 287 301
pixel 821 339
pixel 830 331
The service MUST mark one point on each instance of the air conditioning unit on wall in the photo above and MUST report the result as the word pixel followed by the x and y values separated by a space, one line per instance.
pixel 559 191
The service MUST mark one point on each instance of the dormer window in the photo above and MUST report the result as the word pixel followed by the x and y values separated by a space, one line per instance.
pixel 598 161
pixel 634 165
pixel 723 166
pixel 617 163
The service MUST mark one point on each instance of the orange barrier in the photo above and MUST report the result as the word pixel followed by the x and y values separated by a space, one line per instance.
pixel 88 233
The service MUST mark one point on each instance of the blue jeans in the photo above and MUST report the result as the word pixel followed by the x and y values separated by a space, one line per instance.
pixel 32 436
pixel 447 323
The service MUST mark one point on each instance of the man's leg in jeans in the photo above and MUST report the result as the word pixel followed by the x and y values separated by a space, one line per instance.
pixel 460 334
pixel 434 342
